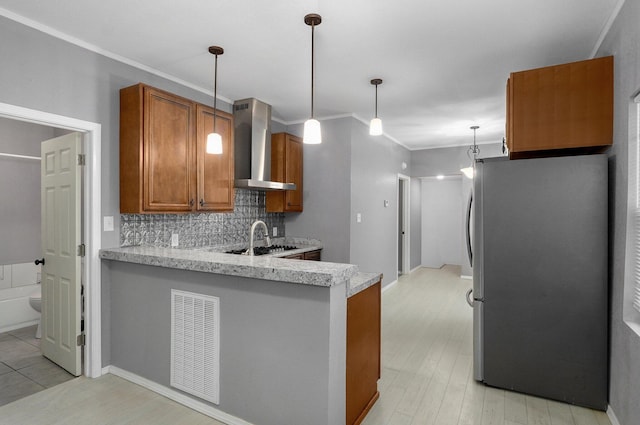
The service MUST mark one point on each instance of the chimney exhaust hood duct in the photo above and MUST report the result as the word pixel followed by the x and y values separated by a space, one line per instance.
pixel 252 121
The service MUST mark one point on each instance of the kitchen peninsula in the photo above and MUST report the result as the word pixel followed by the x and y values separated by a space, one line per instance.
pixel 283 330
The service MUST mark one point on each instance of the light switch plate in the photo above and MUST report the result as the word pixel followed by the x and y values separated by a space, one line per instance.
pixel 107 223
pixel 358 218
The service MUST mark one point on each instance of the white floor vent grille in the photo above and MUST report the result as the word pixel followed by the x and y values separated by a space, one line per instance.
pixel 195 344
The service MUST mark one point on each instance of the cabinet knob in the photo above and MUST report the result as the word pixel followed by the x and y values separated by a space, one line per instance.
pixel 202 202
pixel 191 203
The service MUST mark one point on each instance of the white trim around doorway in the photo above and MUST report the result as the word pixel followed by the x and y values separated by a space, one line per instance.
pixel 406 206
pixel 91 205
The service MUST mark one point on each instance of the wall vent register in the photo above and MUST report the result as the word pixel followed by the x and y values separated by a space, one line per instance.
pixel 195 344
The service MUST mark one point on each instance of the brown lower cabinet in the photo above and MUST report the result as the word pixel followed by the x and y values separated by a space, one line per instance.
pixel 363 353
pixel 310 255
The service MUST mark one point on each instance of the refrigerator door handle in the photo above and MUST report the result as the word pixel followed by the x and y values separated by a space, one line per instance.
pixel 469 299
pixel 468 229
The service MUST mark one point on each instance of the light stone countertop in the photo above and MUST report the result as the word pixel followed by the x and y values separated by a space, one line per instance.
pixel 317 273
pixel 362 281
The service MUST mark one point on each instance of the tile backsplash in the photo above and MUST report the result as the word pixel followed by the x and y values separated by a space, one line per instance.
pixel 202 229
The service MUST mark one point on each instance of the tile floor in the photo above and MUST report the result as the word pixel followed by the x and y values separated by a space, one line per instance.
pixel 23 369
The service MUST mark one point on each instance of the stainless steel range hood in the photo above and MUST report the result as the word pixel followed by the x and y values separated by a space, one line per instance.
pixel 252 120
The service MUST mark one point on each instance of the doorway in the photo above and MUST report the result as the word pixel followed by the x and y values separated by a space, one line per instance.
pixel 403 221
pixel 91 226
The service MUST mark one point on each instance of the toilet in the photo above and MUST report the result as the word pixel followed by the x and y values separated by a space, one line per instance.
pixel 35 301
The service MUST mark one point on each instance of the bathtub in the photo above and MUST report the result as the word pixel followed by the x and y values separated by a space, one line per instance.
pixel 15 311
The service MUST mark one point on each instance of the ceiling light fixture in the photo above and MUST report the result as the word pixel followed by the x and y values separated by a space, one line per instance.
pixel 472 153
pixel 214 140
pixel 375 127
pixel 312 133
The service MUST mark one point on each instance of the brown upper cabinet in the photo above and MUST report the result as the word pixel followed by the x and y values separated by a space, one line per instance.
pixel 215 172
pixel 567 106
pixel 163 164
pixel 286 167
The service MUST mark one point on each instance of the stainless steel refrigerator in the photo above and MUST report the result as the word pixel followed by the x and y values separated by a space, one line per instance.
pixel 540 292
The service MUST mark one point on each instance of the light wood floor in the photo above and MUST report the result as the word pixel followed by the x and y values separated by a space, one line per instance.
pixel 427 363
pixel 426 377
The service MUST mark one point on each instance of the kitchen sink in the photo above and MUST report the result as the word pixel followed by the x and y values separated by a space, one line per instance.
pixel 263 250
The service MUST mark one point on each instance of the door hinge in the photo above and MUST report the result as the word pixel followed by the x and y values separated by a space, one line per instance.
pixel 81 340
pixel 81 159
pixel 81 250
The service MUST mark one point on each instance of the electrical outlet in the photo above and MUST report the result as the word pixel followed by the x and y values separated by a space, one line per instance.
pixel 358 218
pixel 174 240
pixel 275 231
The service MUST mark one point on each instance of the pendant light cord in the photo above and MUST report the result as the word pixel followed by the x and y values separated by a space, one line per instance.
pixel 376 101
pixel 312 55
pixel 215 92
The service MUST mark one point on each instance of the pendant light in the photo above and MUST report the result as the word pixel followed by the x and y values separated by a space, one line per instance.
pixel 472 153
pixel 375 127
pixel 312 133
pixel 214 140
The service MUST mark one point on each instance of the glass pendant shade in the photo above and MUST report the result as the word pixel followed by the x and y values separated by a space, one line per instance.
pixel 375 127
pixel 312 134
pixel 472 153
pixel 468 172
pixel 214 144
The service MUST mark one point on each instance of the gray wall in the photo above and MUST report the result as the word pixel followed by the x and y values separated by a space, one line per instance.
pixel 352 172
pixel 375 165
pixel 442 230
pixel 281 344
pixel 20 191
pixel 327 191
pixel 447 161
pixel 51 75
pixel 622 41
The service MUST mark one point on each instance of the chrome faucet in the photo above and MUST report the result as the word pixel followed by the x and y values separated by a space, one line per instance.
pixel 267 241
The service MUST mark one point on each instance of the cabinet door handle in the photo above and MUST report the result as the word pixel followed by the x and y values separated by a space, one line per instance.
pixel 202 202
pixel 191 203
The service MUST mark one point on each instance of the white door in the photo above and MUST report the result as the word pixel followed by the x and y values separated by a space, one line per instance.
pixel 61 238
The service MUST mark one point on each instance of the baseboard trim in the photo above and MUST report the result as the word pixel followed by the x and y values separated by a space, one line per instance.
pixel 612 416
pixel 414 269
pixel 386 287
pixel 176 396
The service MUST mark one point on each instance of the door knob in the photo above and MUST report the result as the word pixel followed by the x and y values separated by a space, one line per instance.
pixel 40 262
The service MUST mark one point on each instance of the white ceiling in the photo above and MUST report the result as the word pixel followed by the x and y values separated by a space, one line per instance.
pixel 444 62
